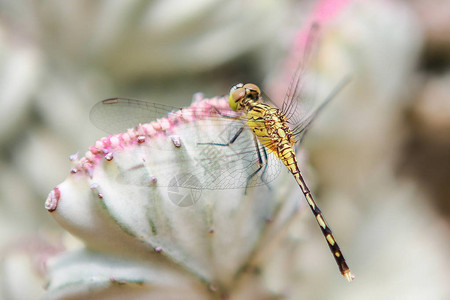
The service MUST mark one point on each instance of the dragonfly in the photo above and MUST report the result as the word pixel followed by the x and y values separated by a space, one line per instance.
pixel 274 133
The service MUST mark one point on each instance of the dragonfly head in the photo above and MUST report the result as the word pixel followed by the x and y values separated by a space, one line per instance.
pixel 242 93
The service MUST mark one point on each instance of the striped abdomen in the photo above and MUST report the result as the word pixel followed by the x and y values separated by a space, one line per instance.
pixel 269 126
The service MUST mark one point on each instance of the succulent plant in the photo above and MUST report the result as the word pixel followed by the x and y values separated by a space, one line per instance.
pixel 153 221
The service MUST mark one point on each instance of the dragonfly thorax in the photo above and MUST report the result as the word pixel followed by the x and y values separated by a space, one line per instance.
pixel 244 95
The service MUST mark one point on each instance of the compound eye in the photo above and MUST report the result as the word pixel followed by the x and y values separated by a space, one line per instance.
pixel 252 87
pixel 235 97
pixel 238 94
pixel 235 87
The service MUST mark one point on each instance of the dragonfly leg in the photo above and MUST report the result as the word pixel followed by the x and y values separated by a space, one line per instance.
pixel 260 165
pixel 233 139
pixel 258 152
pixel 225 115
pixel 265 167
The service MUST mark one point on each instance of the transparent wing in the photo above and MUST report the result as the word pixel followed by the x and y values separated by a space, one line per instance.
pixel 201 166
pixel 194 165
pixel 308 93
pixel 299 96
pixel 119 114
pixel 301 128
